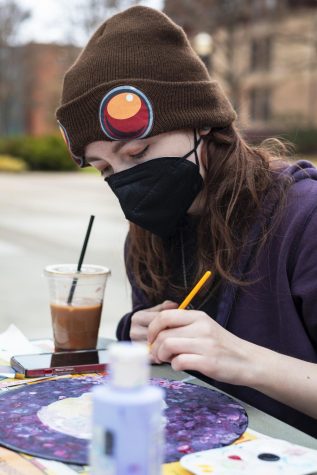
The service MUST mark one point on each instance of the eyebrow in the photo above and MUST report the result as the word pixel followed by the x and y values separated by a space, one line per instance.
pixel 117 147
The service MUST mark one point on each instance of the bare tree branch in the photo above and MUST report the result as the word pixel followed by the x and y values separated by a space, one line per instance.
pixel 84 16
pixel 11 17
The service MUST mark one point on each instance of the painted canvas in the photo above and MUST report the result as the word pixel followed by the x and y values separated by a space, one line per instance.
pixel 51 419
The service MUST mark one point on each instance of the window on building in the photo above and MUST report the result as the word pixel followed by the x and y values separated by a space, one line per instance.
pixel 261 54
pixel 260 104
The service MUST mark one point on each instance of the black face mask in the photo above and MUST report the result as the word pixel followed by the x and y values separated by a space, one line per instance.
pixel 156 194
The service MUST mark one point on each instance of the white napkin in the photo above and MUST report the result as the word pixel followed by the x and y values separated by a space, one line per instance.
pixel 13 342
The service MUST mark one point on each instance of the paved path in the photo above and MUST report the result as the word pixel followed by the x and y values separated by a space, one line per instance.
pixel 44 217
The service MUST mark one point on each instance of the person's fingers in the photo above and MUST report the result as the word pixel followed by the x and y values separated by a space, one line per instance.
pixel 138 333
pixel 143 318
pixel 171 333
pixel 185 362
pixel 173 346
pixel 169 319
pixel 154 362
pixel 167 304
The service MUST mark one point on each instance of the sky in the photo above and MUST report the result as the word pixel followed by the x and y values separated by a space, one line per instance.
pixel 49 22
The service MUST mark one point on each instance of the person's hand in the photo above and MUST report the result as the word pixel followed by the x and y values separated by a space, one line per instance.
pixel 191 340
pixel 140 320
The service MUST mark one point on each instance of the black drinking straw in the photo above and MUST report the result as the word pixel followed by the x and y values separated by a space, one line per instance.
pixel 81 258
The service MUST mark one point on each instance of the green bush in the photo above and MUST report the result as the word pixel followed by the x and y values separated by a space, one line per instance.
pixel 11 164
pixel 46 153
pixel 304 140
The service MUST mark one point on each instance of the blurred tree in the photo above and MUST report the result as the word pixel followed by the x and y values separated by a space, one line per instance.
pixel 84 16
pixel 11 18
pixel 209 15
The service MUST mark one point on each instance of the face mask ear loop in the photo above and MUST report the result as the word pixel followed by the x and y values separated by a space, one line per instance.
pixel 197 142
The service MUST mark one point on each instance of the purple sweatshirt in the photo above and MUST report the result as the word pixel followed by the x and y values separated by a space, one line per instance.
pixel 279 309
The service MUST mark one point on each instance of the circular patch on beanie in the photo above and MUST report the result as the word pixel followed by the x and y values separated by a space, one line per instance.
pixel 126 113
pixel 64 133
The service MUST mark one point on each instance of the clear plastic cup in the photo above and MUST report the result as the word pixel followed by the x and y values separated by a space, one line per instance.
pixel 76 300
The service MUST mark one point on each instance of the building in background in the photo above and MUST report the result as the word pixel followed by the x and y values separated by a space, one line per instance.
pixel 264 53
pixel 45 68
pixel 30 87
pixel 273 72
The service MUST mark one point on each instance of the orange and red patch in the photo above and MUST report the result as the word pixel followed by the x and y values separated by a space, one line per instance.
pixel 64 133
pixel 126 113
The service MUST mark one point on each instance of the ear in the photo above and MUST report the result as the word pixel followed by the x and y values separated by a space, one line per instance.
pixel 204 131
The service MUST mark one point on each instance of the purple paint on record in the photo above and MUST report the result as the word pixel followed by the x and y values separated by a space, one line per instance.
pixel 198 418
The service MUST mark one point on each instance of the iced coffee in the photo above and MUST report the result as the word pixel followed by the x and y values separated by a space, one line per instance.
pixel 76 300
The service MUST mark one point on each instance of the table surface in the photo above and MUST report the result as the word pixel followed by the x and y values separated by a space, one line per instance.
pixel 258 420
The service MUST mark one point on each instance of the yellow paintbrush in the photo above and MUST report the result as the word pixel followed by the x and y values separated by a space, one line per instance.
pixel 195 290
pixel 192 293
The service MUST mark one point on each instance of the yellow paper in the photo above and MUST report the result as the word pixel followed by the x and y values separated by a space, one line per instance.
pixel 245 437
pixel 12 462
pixel 4 363
pixel 174 468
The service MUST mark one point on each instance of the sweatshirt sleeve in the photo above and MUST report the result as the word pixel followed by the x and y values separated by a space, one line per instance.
pixel 304 280
pixel 139 301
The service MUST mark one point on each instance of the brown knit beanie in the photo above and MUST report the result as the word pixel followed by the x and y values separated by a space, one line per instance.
pixel 138 76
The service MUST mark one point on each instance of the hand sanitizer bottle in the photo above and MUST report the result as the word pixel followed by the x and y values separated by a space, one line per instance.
pixel 127 426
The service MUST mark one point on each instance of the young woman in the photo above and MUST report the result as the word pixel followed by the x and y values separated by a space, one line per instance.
pixel 139 106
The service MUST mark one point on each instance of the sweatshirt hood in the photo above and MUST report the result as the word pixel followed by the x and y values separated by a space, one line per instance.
pixel 301 170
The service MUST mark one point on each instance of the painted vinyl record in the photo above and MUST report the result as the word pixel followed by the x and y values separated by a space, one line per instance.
pixel 51 419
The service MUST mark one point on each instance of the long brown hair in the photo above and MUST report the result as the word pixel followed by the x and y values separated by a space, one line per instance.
pixel 237 179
